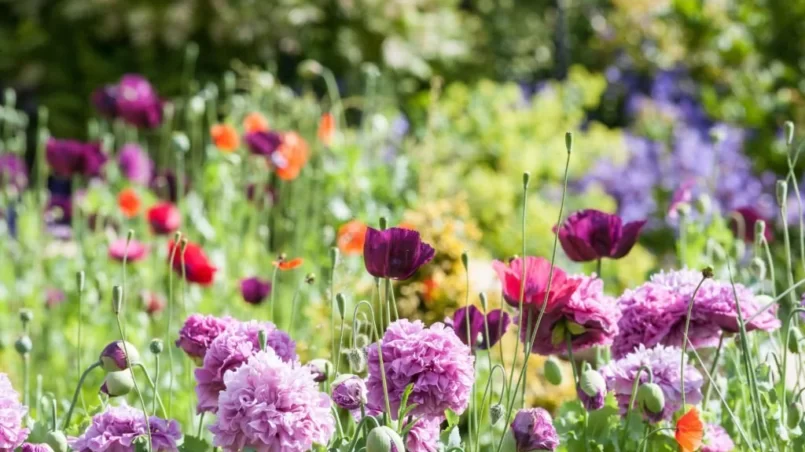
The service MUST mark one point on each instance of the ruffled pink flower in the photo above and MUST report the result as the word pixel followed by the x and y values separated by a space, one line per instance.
pixel 12 416
pixel 270 405
pixel 433 358
pixel 117 429
pixel 199 331
pixel 424 435
pixel 28 447
pixel 589 318
pixel 133 252
pixel 538 271
pixel 233 347
pixel 716 439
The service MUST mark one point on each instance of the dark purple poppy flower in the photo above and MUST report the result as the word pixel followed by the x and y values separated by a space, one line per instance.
pixel 13 172
pixel 263 143
pixel 135 164
pixel 70 158
pixel 395 253
pixel 590 234
pixel 165 184
pixel 133 99
pixel 59 209
pixel 749 216
pixel 497 320
pixel 254 289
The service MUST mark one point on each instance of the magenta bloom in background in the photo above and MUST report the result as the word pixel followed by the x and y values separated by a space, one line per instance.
pixel 133 252
pixel 263 143
pixel 665 363
pixel 233 347
pixel 424 435
pixel 12 416
pixel 117 428
pixel 589 318
pixel 395 253
pixel 13 171
pixel 254 289
pixel 54 297
pixel 682 195
pixel 199 331
pixel 533 429
pixel 746 229
pixel 538 270
pixel 133 99
pixel 271 405
pixel 69 158
pixel 135 164
pixel 590 234
pixel 716 439
pixel 497 321
pixel 433 358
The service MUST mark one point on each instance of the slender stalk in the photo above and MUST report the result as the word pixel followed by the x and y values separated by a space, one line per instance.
pixel 335 357
pixel 200 424
pixel 379 349
pixel 598 268
pixel 26 378
pixel 685 341
pixel 576 383
pixel 75 394
pixel 387 300
pixel 632 397
pixel 168 335
pixel 712 371
pixel 134 379
pixel 293 309
pixel 80 280
pixel 784 372
pixel 273 291
pixel 156 393
pixel 471 344
pixel 153 385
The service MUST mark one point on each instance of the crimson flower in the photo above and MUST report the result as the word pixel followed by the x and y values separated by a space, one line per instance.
pixel 197 266
pixel 537 272
pixel 164 218
pixel 395 253
pixel 590 234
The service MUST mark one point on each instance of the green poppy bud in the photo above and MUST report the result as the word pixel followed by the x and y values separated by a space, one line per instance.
pixel 789 132
pixel 552 371
pixel 782 193
pixel 310 69
pixel 57 441
pixel 117 384
pixel 651 397
pixel 592 383
pixel 465 260
pixel 340 302
pixel 356 360
pixel 156 346
pixel 113 356
pixel 26 316
pixel 361 341
pixel 794 340
pixel 495 413
pixel 23 345
pixel 569 142
pixel 117 299
pixel 384 439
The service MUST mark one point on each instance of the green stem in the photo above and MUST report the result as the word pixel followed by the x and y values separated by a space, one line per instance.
pixel 26 383
pixel 169 332
pixel 200 424
pixel 685 342
pixel 713 367
pixel 134 379
pixel 293 309
pixel 153 385
pixel 273 292
pixel 156 392
pixel 75 394
pixel 632 397
pixel 576 384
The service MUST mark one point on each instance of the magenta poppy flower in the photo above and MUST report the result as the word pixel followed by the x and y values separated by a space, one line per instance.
pixel 538 270
pixel 70 158
pixel 263 143
pixel 135 251
pixel 135 164
pixel 590 234
pixel 682 195
pixel 749 217
pixel 254 289
pixel 133 99
pixel 13 171
pixel 395 253
pixel 497 321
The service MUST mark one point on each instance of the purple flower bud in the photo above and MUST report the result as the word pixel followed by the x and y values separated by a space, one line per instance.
pixel 590 234
pixel 28 447
pixel 320 368
pixel 113 356
pixel 349 392
pixel 395 253
pixel 592 390
pixel 254 289
pixel 532 429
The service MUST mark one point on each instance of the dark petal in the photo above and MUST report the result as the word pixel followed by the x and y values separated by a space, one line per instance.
pixel 577 249
pixel 498 322
pixel 376 248
pixel 476 324
pixel 263 143
pixel 605 233
pixel 406 253
pixel 627 240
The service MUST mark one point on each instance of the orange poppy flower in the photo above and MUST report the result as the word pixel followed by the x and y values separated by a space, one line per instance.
pixel 351 237
pixel 129 202
pixel 689 431
pixel 327 129
pixel 255 122
pixel 289 265
pixel 291 156
pixel 225 137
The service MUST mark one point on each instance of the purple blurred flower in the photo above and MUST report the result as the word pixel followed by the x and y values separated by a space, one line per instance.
pixel 233 347
pixel 135 164
pixel 433 358
pixel 665 363
pixel 12 416
pixel 254 289
pixel 395 253
pixel 590 234
pixel 349 392
pixel 69 158
pixel 496 320
pixel 166 185
pixel 13 172
pixel 589 318
pixel 682 195
pixel 28 447
pixel 133 99
pixel 533 429
pixel 743 224
pixel 119 427
pixel 199 331
pixel 716 439
pixel 270 405
pixel 424 435
pixel 263 143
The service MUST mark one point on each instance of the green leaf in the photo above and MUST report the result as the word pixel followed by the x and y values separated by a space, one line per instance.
pixel 576 329
pixel 404 403
pixel 194 444
pixel 558 335
pixel 452 418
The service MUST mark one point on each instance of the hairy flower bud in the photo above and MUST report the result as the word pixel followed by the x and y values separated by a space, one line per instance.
pixel 117 384
pixel 57 441
pixel 384 439
pixel 349 392
pixel 113 356
pixel 495 413
pixel 552 371
pixel 651 397
pixel 156 346
pixel 23 345
pixel 357 361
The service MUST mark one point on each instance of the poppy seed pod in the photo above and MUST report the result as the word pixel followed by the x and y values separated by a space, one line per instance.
pixel 651 397
pixel 156 346
pixel 384 439
pixel 552 371
pixel 23 345
pixel 57 441
pixel 113 356
pixel 117 384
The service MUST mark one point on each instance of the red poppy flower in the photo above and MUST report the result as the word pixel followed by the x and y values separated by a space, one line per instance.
pixel 289 265
pixel 164 218
pixel 129 202
pixel 326 129
pixel 255 122
pixel 689 431
pixel 197 267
